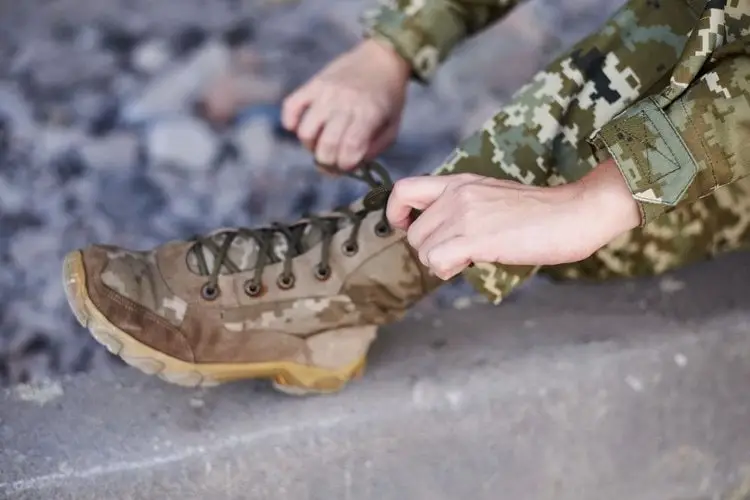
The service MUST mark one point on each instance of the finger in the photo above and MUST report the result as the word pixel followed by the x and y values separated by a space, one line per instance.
pixel 356 140
pixel 446 229
pixel 451 256
pixel 295 105
pixel 431 223
pixel 413 193
pixel 311 125
pixel 329 142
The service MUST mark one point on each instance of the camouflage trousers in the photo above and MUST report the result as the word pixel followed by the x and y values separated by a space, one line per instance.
pixel 538 138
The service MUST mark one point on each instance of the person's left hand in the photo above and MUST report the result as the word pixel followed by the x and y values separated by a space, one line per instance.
pixel 469 218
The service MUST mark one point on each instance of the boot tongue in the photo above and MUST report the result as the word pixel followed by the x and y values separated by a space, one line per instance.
pixel 243 251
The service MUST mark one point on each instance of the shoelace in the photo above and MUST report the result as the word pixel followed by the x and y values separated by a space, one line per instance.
pixel 327 225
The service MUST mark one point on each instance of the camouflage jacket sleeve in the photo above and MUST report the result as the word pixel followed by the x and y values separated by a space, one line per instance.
pixel 683 142
pixel 425 31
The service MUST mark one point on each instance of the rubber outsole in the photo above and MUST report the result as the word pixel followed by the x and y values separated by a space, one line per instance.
pixel 287 377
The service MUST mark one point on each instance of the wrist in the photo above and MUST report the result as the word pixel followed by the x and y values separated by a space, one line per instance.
pixel 609 199
pixel 385 56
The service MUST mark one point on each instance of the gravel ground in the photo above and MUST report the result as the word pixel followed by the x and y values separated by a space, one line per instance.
pixel 135 122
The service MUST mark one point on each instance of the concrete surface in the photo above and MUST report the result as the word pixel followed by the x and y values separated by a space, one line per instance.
pixel 632 390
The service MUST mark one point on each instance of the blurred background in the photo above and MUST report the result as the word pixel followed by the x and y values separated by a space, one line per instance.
pixel 134 122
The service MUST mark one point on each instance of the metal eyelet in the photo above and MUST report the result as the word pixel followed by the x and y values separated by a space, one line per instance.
pixel 285 282
pixel 322 273
pixel 253 289
pixel 382 229
pixel 209 292
pixel 349 248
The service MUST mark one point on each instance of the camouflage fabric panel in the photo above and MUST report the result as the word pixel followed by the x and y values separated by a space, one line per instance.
pixel 424 32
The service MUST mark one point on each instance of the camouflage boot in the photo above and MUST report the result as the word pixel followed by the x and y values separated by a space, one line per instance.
pixel 297 303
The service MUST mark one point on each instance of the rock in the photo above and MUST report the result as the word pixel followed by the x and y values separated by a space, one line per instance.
pixel 64 31
pixel 255 141
pixel 241 33
pixel 55 68
pixel 188 39
pixel 16 113
pixel 5 135
pixel 69 166
pixel 99 112
pixel 150 56
pixel 105 118
pixel 184 142
pixel 115 151
pixel 116 39
pixel 53 142
pixel 175 90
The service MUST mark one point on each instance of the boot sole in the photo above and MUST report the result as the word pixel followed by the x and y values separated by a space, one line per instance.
pixel 288 377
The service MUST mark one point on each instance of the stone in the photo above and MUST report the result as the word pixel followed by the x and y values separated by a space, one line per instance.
pixel 184 142
pixel 42 60
pixel 150 56
pixel 115 151
pixel 188 39
pixel 255 141
pixel 16 113
pixel 98 111
pixel 69 166
pixel 116 39
pixel 174 91
pixel 53 142
pixel 240 33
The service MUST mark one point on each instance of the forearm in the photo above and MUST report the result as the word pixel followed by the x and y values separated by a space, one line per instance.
pixel 424 32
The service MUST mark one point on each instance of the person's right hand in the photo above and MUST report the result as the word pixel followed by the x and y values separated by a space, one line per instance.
pixel 351 109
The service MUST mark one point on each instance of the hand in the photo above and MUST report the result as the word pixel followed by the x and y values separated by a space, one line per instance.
pixel 469 218
pixel 351 110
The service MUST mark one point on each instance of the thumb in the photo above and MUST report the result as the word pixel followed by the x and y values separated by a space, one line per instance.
pixel 295 105
pixel 413 193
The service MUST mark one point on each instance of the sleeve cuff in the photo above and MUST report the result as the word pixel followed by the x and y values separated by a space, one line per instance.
pixel 410 39
pixel 651 155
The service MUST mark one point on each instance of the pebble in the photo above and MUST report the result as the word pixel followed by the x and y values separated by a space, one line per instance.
pixel 188 39
pixel 115 151
pixel 183 142
pixel 53 141
pixel 16 113
pixel 151 56
pixel 255 141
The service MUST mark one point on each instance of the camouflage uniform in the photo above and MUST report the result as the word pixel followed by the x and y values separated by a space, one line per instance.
pixel 663 88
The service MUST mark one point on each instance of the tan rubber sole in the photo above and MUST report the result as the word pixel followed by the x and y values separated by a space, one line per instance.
pixel 288 377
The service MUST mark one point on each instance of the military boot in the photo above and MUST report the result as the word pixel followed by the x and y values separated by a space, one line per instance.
pixel 297 303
